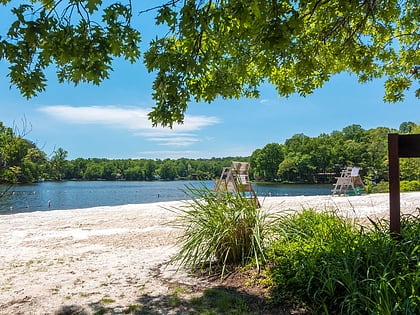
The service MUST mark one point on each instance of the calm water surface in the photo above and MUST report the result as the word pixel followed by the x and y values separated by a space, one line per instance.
pixel 73 195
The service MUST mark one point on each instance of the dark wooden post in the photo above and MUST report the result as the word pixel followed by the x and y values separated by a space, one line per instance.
pixel 394 184
pixel 398 146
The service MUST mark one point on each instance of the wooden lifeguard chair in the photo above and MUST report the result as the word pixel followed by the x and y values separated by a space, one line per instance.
pixel 235 179
pixel 348 182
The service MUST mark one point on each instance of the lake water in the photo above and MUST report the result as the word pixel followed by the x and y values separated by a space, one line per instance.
pixel 73 194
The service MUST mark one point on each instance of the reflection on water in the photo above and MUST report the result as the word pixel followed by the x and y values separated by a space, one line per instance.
pixel 72 194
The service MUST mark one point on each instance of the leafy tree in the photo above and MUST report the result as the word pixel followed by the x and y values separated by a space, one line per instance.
pixel 182 167
pixel 75 168
pixel 228 48
pixel 328 153
pixel 297 167
pixel 57 163
pixel 267 161
pixel 407 127
pixel 20 160
pixel 376 159
pixel 149 170
pixel 94 171
pixel 298 142
pixel 322 152
pixel 287 170
pixel 167 170
pixel 133 173
pixel 110 170
pixel 416 129
pixel 353 132
pixel 33 165
pixel 217 48
pixel 410 167
pixel 254 172
pixel 70 36
pixel 354 151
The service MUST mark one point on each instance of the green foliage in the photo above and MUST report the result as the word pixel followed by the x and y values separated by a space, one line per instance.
pixel 58 164
pixel 264 164
pixel 20 160
pixel 331 266
pixel 228 48
pixel 215 49
pixel 405 186
pixel 413 185
pixel 220 229
pixel 167 170
pixel 304 159
pixel 69 36
pixel 407 127
pixel 410 169
pixel 146 169
pixel 300 159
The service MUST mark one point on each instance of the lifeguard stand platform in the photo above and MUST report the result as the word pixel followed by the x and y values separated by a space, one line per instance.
pixel 235 179
pixel 349 182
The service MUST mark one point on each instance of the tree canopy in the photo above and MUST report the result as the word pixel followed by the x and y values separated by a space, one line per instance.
pixel 20 160
pixel 218 48
pixel 304 159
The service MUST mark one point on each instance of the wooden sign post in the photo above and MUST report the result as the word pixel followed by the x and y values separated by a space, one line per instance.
pixel 399 146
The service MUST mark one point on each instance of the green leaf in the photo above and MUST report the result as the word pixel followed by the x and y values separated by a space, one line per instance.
pixel 92 5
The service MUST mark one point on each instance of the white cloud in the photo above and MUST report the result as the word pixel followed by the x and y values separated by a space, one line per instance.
pixel 176 154
pixel 134 119
pixel 180 141
pixel 172 154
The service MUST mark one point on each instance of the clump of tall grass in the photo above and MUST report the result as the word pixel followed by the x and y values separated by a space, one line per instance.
pixel 331 265
pixel 220 230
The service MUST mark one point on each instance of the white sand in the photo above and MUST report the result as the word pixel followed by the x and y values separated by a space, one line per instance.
pixel 82 260
pixel 373 205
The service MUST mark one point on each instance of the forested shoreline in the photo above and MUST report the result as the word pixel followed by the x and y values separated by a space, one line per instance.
pixel 300 159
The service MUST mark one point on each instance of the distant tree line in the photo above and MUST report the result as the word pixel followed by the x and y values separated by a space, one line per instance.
pixel 22 162
pixel 146 169
pixel 303 159
pixel 300 159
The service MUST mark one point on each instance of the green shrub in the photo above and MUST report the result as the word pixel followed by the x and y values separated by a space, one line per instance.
pixel 407 185
pixel 220 229
pixel 332 266
pixel 380 187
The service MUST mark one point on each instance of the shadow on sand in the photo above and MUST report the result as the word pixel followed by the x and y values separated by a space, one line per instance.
pixel 218 300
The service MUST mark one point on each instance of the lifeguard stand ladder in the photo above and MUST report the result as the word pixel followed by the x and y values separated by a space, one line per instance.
pixel 349 180
pixel 235 179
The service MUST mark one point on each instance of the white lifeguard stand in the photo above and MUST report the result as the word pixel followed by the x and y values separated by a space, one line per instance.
pixel 349 181
pixel 235 179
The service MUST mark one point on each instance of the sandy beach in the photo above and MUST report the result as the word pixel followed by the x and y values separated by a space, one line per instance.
pixel 85 260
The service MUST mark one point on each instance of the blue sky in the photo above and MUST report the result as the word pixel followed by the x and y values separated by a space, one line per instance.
pixel 110 120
